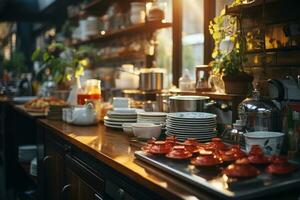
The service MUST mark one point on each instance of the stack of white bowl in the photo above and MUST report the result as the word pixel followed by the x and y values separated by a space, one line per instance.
pixel 27 153
pixel 199 125
pixel 33 167
pixel 152 117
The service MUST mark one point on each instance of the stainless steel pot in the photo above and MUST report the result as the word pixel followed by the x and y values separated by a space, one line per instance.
pixel 151 79
pixel 162 101
pixel 189 103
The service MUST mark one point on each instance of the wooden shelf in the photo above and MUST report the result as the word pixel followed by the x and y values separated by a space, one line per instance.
pixel 248 8
pixel 273 50
pixel 212 95
pixel 122 57
pixel 145 27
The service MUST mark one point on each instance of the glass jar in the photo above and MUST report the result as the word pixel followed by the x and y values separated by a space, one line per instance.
pixel 90 91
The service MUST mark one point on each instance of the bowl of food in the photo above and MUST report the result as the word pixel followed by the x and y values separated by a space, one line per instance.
pixel 270 142
pixel 146 130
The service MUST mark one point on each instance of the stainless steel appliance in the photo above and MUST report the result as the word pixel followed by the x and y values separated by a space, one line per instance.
pixel 284 89
pixel 151 79
pixel 259 114
pixel 188 103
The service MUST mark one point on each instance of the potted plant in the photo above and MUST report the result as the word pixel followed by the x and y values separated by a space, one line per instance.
pixel 62 63
pixel 229 52
pixel 16 64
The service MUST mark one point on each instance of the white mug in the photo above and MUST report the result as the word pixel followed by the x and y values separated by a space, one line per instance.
pixel 121 102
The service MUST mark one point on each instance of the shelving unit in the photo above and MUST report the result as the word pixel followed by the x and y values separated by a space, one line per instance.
pixel 149 26
pixel 269 16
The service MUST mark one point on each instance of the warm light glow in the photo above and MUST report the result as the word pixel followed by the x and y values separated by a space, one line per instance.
pixel 102 33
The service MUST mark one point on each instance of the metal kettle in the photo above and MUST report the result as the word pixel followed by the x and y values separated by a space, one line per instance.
pixel 258 114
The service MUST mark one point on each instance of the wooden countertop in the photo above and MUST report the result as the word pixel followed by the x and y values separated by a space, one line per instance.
pixel 113 148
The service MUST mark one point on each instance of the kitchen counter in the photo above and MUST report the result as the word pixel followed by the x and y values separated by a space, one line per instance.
pixel 113 153
pixel 114 149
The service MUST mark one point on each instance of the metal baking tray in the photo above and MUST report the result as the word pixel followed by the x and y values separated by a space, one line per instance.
pixel 213 181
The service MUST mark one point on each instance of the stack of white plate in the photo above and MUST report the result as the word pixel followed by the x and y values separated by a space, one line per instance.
pixel 152 117
pixel 199 125
pixel 115 119
pixel 27 153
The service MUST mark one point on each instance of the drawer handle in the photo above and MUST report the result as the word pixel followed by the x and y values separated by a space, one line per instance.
pixel 97 196
pixel 65 188
pixel 67 148
pixel 121 193
pixel 46 158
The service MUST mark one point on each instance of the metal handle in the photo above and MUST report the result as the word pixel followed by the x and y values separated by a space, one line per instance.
pixel 121 193
pixel 64 189
pixel 67 148
pixel 46 158
pixel 97 196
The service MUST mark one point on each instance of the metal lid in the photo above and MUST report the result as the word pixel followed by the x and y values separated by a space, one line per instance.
pixel 257 105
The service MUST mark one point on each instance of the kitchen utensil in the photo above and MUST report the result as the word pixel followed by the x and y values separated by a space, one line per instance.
pixel 137 12
pixel 179 152
pixel 90 91
pixel 206 159
pixel 127 127
pixel 280 165
pixel 120 102
pixel 270 142
pixel 151 79
pixel 146 130
pixel 188 103
pixel 259 114
pixel 241 169
pixel 162 102
pixel 197 125
pixel 160 147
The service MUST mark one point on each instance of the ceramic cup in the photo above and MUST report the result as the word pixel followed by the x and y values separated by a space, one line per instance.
pixel 121 102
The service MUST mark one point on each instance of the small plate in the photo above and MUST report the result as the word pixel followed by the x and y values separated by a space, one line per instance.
pixel 119 119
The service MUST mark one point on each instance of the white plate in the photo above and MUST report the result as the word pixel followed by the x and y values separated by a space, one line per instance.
pixel 191 115
pixel 114 123
pixel 189 125
pixel 153 114
pixel 112 112
pixel 191 121
pixel 119 119
pixel 113 126
pixel 191 130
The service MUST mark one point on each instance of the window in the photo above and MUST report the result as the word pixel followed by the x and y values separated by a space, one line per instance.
pixel 192 35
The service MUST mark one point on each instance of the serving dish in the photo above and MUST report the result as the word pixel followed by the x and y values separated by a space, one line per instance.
pixel 270 142
pixel 239 180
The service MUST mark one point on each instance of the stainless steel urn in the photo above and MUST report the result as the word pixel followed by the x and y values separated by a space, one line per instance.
pixel 259 114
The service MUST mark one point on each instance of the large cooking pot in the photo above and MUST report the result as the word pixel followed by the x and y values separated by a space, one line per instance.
pixel 151 79
pixel 189 103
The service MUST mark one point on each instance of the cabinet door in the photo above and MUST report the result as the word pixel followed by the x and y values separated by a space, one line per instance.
pixel 53 164
pixel 82 183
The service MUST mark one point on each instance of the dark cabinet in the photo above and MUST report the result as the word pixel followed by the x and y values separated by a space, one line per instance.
pixel 53 165
pixel 66 172
pixel 80 182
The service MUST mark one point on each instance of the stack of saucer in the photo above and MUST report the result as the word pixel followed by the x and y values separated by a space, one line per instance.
pixel 199 125
pixel 152 117
pixel 115 119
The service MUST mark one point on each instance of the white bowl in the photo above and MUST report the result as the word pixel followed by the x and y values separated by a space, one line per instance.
pixel 270 142
pixel 127 127
pixel 146 130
